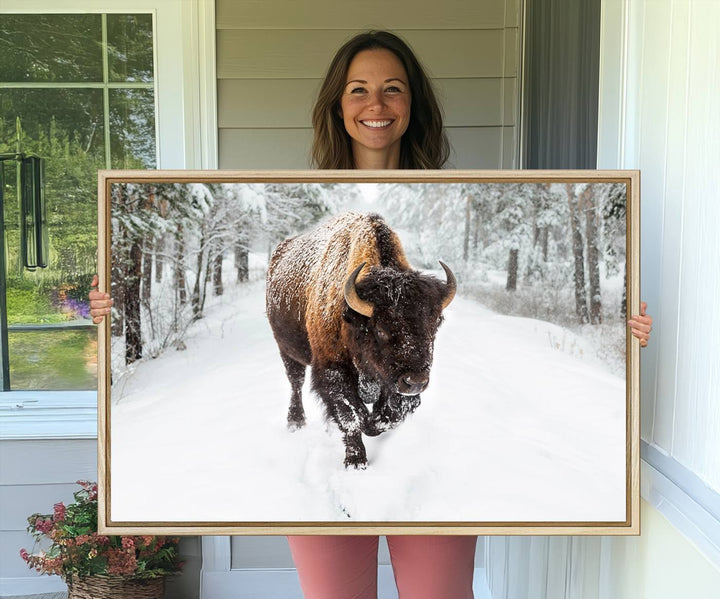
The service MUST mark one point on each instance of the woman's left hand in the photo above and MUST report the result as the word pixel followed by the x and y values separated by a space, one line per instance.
pixel 641 325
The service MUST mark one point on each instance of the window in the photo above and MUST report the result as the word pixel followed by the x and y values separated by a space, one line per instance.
pixel 78 91
pixel 186 125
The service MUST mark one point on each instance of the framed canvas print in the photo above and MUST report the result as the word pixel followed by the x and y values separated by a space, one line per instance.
pixel 369 352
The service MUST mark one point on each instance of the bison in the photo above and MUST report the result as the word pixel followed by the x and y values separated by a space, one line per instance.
pixel 343 300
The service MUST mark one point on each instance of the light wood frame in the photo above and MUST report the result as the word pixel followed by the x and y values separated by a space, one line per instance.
pixel 631 524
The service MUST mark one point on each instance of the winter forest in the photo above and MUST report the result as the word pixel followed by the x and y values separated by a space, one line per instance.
pixel 527 384
pixel 551 251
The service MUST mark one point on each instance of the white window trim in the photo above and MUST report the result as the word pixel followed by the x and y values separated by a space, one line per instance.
pixel 186 129
pixel 48 415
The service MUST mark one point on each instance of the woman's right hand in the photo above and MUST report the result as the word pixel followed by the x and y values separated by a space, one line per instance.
pixel 100 303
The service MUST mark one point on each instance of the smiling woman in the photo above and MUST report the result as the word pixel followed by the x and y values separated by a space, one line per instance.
pixel 375 108
pixel 363 116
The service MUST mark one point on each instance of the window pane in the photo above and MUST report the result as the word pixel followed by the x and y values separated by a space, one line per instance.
pixel 53 359
pixel 132 128
pixel 52 119
pixel 130 47
pixel 50 48
pixel 65 127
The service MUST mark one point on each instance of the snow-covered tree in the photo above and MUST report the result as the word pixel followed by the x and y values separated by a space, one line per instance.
pixel 142 213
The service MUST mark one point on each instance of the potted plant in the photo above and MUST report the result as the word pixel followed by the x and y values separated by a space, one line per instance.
pixel 95 565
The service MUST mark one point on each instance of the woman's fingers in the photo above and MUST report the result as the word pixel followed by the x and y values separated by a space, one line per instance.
pixel 641 325
pixel 100 302
pixel 98 313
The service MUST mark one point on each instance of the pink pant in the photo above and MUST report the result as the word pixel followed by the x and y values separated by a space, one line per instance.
pixel 345 567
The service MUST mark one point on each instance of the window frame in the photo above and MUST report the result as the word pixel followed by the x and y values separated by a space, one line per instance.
pixel 184 36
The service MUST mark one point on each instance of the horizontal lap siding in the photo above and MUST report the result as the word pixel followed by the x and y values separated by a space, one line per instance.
pixel 271 58
pixel 307 54
pixel 287 103
pixel 351 14
pixel 246 148
pixel 35 475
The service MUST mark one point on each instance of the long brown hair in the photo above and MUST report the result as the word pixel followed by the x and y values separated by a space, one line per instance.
pixel 424 144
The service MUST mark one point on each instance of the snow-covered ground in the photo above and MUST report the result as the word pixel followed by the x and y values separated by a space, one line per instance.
pixel 513 427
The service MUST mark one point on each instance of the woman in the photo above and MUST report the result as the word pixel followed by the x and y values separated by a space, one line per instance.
pixel 377 110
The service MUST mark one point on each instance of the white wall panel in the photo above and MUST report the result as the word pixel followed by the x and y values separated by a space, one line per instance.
pixel 652 117
pixel 697 426
pixel 669 128
pixel 672 231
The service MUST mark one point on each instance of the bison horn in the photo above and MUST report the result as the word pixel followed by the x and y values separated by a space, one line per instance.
pixel 352 298
pixel 450 287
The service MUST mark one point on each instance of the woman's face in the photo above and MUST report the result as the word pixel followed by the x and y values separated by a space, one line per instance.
pixel 375 104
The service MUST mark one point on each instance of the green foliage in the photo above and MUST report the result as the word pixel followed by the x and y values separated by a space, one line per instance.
pixel 55 359
pixel 27 305
pixel 50 47
pixel 70 194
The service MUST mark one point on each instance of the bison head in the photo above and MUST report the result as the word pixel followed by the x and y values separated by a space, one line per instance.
pixel 391 319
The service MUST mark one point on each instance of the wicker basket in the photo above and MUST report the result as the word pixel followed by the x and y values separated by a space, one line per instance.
pixel 116 587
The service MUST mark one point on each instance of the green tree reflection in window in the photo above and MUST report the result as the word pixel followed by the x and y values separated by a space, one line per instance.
pixel 82 87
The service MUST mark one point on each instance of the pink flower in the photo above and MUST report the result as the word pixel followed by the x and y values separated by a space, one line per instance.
pixel 53 565
pixel 24 554
pixel 44 526
pixel 59 512
pixel 128 543
pixel 121 562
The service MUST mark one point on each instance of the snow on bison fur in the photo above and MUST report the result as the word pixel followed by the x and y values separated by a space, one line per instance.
pixel 343 300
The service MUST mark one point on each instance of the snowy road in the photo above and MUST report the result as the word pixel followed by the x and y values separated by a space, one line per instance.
pixel 510 429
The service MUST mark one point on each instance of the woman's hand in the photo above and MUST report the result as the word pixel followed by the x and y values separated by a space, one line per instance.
pixel 100 303
pixel 641 325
